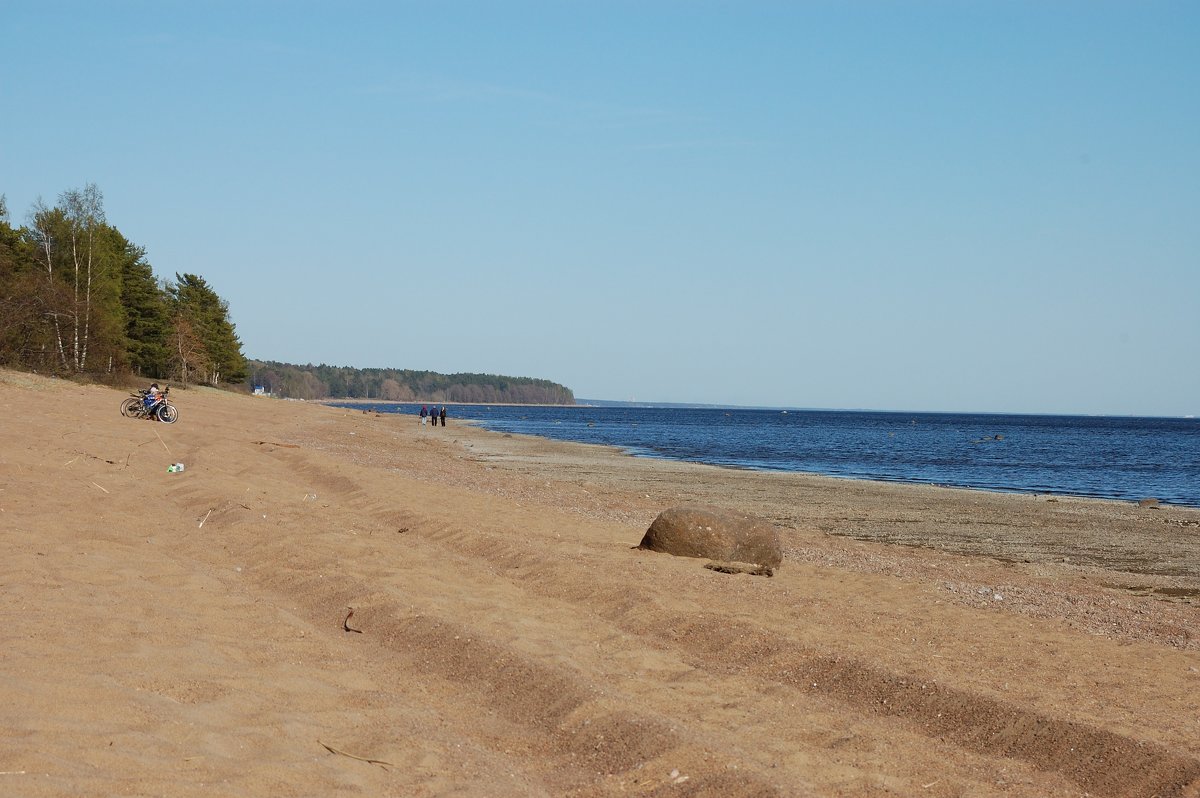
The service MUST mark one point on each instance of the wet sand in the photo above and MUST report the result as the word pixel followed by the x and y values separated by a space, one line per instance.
pixel 187 634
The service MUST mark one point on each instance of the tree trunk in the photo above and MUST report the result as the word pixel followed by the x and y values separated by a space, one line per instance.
pixel 47 248
pixel 87 303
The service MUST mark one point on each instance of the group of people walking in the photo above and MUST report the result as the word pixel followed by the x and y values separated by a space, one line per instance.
pixel 433 414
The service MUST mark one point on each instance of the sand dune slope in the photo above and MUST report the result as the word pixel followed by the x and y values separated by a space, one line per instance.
pixel 187 634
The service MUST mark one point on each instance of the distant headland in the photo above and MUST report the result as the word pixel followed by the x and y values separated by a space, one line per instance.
pixel 309 382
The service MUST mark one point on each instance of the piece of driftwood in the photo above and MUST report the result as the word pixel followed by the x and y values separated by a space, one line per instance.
pixel 346 623
pixel 740 568
pixel 333 750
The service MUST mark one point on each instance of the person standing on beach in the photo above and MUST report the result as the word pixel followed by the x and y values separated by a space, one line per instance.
pixel 443 415
pixel 424 412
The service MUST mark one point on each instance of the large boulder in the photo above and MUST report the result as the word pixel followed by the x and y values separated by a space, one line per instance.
pixel 698 530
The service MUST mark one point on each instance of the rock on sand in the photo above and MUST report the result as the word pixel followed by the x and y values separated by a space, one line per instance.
pixel 697 530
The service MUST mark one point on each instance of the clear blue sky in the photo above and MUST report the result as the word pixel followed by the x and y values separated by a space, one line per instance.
pixel 989 206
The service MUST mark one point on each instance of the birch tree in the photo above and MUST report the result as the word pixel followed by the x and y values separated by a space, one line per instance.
pixel 68 240
pixel 84 211
pixel 43 229
pixel 188 354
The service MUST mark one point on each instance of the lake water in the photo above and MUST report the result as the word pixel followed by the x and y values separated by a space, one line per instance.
pixel 1103 457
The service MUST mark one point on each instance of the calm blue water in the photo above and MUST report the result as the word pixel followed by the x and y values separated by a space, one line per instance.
pixel 1112 458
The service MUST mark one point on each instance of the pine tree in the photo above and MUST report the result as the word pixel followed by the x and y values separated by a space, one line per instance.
pixel 24 332
pixel 147 315
pixel 208 316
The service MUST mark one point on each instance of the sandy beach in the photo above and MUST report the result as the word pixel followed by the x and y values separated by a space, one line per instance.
pixel 334 602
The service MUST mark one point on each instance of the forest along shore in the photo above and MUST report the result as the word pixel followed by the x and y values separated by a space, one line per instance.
pixel 328 600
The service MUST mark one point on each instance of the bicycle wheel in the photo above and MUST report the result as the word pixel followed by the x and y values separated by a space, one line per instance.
pixel 168 414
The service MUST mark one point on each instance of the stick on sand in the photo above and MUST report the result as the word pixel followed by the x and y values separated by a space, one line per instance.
pixel 333 750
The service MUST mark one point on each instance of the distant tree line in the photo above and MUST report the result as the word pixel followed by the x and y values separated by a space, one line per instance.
pixel 402 385
pixel 79 298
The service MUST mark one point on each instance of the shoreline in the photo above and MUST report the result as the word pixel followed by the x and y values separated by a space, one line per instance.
pixel 775 493
pixel 338 402
pixel 781 409
pixel 327 600
pixel 1048 495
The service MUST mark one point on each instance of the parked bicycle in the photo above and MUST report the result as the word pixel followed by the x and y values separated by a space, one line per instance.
pixel 160 409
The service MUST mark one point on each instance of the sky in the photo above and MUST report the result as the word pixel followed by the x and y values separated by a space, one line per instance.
pixel 963 206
